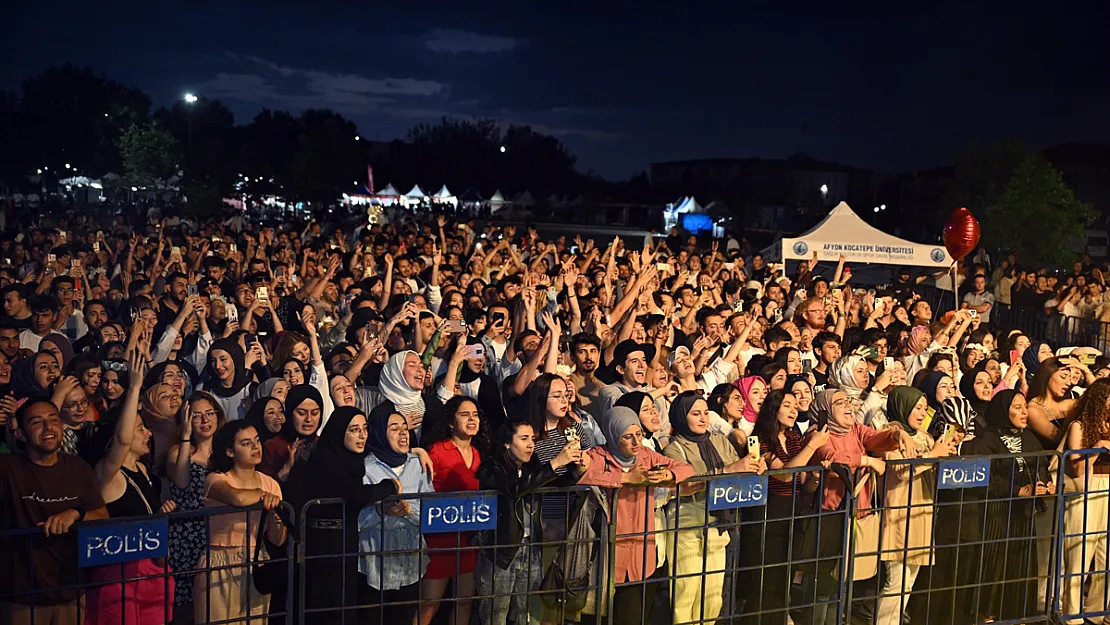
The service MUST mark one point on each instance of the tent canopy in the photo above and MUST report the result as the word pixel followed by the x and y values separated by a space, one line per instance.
pixel 843 233
pixel 443 193
pixel 470 196
pixel 689 205
pixel 524 199
pixel 416 193
pixel 388 191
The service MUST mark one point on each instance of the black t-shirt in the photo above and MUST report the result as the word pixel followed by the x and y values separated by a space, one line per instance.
pixel 822 380
pixel 29 495
pixel 19 324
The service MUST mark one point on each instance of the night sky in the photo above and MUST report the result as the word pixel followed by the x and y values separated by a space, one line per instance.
pixel 891 85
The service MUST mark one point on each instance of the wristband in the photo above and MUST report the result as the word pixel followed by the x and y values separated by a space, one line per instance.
pixel 185 440
pixel 80 514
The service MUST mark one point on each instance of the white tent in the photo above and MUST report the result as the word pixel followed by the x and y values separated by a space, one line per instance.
pixel 416 193
pixel 496 201
pixel 524 199
pixel 843 233
pixel 444 196
pixel 388 191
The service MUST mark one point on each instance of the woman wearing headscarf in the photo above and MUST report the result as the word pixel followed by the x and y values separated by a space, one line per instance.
pixel 267 415
pixel 159 410
pixel 937 387
pixel 966 411
pixel 275 387
pixel 849 444
pixel 402 384
pixel 35 376
pixel 228 374
pixel 851 375
pixel 699 561
pixel 650 424
pixel 754 390
pixel 907 531
pixel 1008 589
pixel 303 412
pixel 465 373
pixel 625 463
pixel 396 527
pixel 59 346
pixel 335 470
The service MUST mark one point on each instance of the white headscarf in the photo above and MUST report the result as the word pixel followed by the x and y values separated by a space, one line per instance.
pixel 842 377
pixel 394 387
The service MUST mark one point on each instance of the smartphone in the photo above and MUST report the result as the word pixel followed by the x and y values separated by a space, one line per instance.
pixel 730 266
pixel 96 246
pixel 234 247
pixel 232 312
pixel 262 292
pixel 1087 359
pixel 753 447
pixel 50 258
pixel 456 326
pixel 474 351
pixel 801 293
pixel 807 367
pixel 1015 356
pixel 75 263
pixel 871 353
pixel 496 317
pixel 191 289
pixel 665 267
pixel 367 272
pixel 888 362
pixel 974 313
pixel 175 251
pixel 250 340
pixel 659 467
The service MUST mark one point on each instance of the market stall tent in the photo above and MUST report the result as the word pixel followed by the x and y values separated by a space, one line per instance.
pixel 496 201
pixel 443 196
pixel 843 233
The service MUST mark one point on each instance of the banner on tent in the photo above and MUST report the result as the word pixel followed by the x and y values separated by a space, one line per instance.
pixel 831 251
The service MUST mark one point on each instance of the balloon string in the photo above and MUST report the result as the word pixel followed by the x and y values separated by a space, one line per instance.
pixel 955 285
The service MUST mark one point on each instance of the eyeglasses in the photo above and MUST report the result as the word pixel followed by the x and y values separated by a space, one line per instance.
pixel 841 402
pixel 76 405
pixel 207 415
pixel 113 366
pixel 558 396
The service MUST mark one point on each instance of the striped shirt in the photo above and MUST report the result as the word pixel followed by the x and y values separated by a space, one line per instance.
pixel 794 445
pixel 555 505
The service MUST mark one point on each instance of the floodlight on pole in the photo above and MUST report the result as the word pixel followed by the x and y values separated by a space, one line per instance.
pixel 190 98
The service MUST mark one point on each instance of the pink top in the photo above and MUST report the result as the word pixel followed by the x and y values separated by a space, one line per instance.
pixel 849 449
pixel 635 509
pixel 231 529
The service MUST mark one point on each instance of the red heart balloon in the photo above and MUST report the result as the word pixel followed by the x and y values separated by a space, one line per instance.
pixel 961 233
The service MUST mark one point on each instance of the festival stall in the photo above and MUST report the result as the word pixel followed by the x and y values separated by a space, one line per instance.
pixel 415 197
pixel 843 233
pixel 443 196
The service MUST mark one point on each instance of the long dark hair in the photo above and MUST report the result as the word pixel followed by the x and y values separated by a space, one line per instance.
pixel 224 441
pixel 537 404
pixel 719 397
pixel 1038 388
pixel 767 423
pixel 505 437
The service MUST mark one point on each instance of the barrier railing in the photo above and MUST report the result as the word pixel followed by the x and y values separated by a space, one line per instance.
pixel 1005 538
pixel 116 571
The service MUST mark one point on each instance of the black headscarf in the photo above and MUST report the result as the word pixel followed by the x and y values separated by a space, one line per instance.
pixel 23 380
pixel 998 412
pixel 377 442
pixel 633 400
pixel 967 388
pixel 256 417
pixel 929 387
pixel 331 445
pixel 680 408
pixel 297 395
pixel 212 382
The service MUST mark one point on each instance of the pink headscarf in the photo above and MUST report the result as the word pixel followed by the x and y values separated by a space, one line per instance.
pixel 745 385
pixel 916 343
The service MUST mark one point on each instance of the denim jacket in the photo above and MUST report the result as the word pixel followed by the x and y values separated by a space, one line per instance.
pixel 384 571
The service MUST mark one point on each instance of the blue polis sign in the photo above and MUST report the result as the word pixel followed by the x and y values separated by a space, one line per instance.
pixel 968 473
pixel 458 514
pixel 122 542
pixel 738 492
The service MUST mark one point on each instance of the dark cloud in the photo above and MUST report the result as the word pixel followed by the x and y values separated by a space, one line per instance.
pixel 456 41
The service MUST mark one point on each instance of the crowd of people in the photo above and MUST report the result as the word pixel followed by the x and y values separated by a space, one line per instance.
pixel 177 366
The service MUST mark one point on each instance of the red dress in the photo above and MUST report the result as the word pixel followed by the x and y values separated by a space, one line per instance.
pixel 447 551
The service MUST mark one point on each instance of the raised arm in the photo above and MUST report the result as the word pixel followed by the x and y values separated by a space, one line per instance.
pixel 110 464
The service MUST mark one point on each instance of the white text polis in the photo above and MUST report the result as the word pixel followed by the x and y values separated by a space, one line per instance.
pixel 458 514
pixel 122 542
pixel 968 473
pixel 738 492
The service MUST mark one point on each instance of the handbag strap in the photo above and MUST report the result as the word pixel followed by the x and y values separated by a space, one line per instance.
pixel 130 481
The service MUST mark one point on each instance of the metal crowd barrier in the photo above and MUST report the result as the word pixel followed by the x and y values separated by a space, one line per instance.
pixel 124 574
pixel 954 540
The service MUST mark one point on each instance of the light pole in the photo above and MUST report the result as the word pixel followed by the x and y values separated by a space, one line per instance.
pixel 190 99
